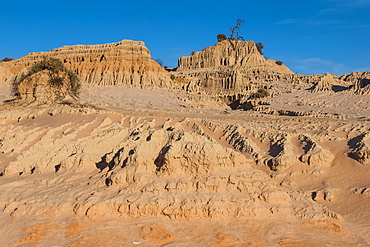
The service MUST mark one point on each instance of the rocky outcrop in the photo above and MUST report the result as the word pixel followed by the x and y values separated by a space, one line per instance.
pixel 282 152
pixel 230 72
pixel 240 142
pixel 325 83
pixel 314 154
pixel 235 71
pixel 125 63
pixel 361 148
pixel 362 86
pixel 360 82
pixel 228 67
pixel 228 53
pixel 353 77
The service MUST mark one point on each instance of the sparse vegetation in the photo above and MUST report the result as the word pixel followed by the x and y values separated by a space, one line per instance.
pixel 75 82
pixel 279 62
pixel 159 61
pixel 261 93
pixel 52 64
pixel 260 47
pixel 54 67
pixel 173 77
pixel 234 35
pixel 221 37
pixel 235 30
pixel 56 81
pixel 7 59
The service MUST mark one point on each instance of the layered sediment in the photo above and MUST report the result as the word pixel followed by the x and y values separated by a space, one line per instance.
pixel 235 71
pixel 125 63
pixel 230 65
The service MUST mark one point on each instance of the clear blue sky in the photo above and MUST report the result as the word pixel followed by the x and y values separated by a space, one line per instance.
pixel 309 36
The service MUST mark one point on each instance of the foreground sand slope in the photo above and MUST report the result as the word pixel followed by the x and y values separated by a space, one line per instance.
pixel 141 170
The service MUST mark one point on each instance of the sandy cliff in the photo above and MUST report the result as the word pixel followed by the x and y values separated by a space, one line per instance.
pixel 232 72
pixel 229 66
pixel 125 63
pixel 228 53
pixel 227 72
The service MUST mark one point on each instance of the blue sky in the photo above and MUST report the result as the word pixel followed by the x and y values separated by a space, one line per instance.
pixel 308 36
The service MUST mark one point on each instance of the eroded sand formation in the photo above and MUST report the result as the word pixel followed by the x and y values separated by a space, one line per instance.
pixel 159 167
pixel 125 63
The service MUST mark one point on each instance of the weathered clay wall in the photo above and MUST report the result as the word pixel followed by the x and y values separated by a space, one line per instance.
pixel 125 63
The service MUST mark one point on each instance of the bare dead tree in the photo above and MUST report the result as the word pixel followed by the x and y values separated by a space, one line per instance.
pixel 235 37
pixel 260 46
pixel 235 30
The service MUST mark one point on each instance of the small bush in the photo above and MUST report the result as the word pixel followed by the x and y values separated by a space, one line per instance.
pixel 279 62
pixel 261 93
pixel 159 61
pixel 7 59
pixel 75 83
pixel 235 30
pixel 260 47
pixel 173 77
pixel 54 66
pixel 56 81
pixel 221 37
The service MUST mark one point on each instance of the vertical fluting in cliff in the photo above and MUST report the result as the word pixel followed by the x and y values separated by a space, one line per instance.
pixel 125 63
pixel 230 65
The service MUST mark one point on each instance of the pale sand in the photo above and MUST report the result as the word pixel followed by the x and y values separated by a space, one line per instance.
pixel 146 168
